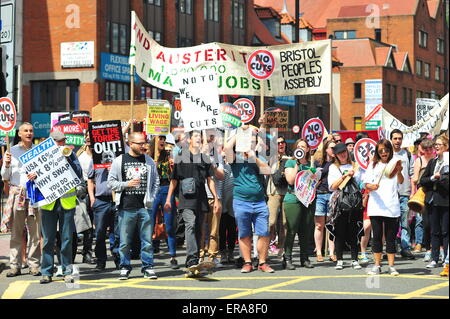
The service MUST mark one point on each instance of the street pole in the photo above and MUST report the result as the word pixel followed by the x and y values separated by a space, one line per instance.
pixel 297 40
pixel 132 96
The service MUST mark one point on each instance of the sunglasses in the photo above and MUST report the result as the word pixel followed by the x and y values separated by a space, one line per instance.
pixel 279 143
pixel 338 141
pixel 383 151
pixel 140 144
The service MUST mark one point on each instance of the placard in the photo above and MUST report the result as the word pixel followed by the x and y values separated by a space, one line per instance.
pixel 55 176
pixel 158 117
pixel 243 140
pixel 261 64
pixel 82 118
pixel 231 116
pixel 305 186
pixel 247 109
pixel 107 142
pixel 313 132
pixel 424 107
pixel 364 150
pixel 73 132
pixel 8 116
pixel 277 119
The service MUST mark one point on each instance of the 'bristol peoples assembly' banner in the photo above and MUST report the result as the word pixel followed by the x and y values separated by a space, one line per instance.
pixel 300 69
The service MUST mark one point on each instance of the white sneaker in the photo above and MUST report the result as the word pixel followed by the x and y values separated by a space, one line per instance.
pixel 217 263
pixel 149 273
pixel 376 270
pixel 339 265
pixel 393 271
pixel 124 273
pixel 59 272
pixel 427 257
pixel 433 264
pixel 356 265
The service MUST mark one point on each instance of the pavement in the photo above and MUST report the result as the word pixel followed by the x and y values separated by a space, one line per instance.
pixel 321 282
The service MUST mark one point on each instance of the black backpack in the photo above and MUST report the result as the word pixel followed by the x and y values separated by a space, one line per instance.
pixel 278 178
pixel 350 199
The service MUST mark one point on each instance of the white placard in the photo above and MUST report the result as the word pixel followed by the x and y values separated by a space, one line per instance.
pixel 55 176
pixel 77 54
pixel 243 140
pixel 423 107
pixel 200 99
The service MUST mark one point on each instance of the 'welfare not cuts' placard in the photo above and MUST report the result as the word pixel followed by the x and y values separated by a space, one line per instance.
pixel 55 176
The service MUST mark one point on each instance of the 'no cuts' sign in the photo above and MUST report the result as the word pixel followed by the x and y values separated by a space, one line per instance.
pixel 55 176
pixel 261 64
pixel 313 132
pixel 247 109
pixel 8 114
pixel 364 151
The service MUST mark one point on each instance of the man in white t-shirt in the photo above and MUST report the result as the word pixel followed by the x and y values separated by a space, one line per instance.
pixel 404 190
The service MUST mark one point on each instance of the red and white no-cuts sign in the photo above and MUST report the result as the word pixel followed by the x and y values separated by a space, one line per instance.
pixel 261 64
pixel 364 151
pixel 247 109
pixel 313 132
pixel 8 116
pixel 295 129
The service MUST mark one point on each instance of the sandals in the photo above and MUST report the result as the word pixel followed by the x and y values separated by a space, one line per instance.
pixel 333 258
pixel 319 258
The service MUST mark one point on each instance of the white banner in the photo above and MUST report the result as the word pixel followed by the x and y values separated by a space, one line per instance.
pixel 200 99
pixel 423 107
pixel 300 69
pixel 433 122
pixel 55 176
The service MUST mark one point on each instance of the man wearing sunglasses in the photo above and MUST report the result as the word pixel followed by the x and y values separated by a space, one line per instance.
pixel 134 178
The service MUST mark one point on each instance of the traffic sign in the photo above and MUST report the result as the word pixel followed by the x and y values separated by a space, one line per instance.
pixel 364 151
pixel 373 113
pixel 247 109
pixel 261 64
pixel 8 116
pixel 313 132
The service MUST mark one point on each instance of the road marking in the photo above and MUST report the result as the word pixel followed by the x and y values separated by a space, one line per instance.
pixel 421 292
pixel 16 289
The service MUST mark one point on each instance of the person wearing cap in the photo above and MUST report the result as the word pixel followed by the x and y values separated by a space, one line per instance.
pixel 18 209
pixel 61 210
pixel 347 223
pixel 350 146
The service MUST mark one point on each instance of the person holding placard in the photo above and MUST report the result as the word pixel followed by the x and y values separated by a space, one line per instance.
pixel 299 219
pixel 62 210
pixel 134 179
pixel 383 206
pixel 18 207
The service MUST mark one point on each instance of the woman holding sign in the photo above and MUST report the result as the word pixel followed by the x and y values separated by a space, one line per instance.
pixel 383 206
pixel 299 219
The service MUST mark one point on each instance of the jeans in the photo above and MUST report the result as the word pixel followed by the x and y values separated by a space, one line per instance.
pixel 169 218
pixel 128 220
pixel 193 223
pixel 439 231
pixel 406 231
pixel 419 229
pixel 66 227
pixel 103 218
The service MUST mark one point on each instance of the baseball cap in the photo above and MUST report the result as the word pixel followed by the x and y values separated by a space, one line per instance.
pixel 339 148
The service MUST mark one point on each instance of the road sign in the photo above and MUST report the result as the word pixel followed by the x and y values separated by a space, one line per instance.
pixel 261 64
pixel 8 116
pixel 364 151
pixel 247 109
pixel 374 111
pixel 313 132
pixel 295 129
pixel 371 125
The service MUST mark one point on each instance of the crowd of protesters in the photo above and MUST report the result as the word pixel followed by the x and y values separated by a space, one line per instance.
pixel 222 196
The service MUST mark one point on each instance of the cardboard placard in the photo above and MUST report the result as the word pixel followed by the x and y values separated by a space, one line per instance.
pixel 107 142
pixel 158 117
pixel 277 119
pixel 305 187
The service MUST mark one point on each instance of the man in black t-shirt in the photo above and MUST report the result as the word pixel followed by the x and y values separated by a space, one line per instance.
pixel 196 165
pixel 134 178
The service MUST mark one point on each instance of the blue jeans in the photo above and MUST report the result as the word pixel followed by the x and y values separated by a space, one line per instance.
pixel 66 228
pixel 419 229
pixel 169 218
pixel 406 231
pixel 128 219
pixel 103 218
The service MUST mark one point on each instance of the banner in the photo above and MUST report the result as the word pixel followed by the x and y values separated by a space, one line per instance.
pixel 433 122
pixel 158 117
pixel 423 107
pixel 301 68
pixel 55 176
pixel 107 142
pixel 305 187
pixel 200 99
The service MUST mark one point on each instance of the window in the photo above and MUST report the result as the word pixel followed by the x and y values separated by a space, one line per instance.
pixel 437 73
pixel 117 27
pixel 212 10
pixel 154 20
pixel 357 91
pixel 387 93
pixel 115 38
pixel 423 39
pixel 51 96
pixel 378 35
pixel 117 91
pixel 155 36
pixel 238 21
pixel 405 96
pixel 151 92
pixel 419 68
pixel 154 2
pixel 123 39
pixel 410 97
pixel 185 6
pixel 357 124
pixel 347 34
pixel 419 94
pixel 440 46
pixel 427 70
pixel 394 94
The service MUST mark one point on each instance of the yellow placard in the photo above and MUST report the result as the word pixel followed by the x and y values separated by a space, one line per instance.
pixel 158 117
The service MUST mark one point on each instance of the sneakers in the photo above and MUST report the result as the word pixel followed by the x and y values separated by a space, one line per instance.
pixel 100 267
pixel 444 272
pixel 68 279
pixel 174 264
pixel 124 274
pixel 247 267
pixel 217 263
pixel 407 254
pixel 392 271
pixel 59 272
pixel 356 265
pixel 45 280
pixel 339 265
pixel 287 263
pixel 149 273
pixel 363 259
pixel 441 256
pixel 376 270
pixel 418 248
pixel 265 268
pixel 13 272
pixel 34 271
pixel 427 257
pixel 433 264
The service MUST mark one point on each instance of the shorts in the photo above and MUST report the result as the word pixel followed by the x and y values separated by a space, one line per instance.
pixel 251 213
pixel 322 201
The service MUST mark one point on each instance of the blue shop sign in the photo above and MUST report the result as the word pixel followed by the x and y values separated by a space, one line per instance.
pixel 285 100
pixel 115 67
pixel 41 124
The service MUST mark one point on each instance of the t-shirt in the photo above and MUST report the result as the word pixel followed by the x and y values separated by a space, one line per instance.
pixel 408 171
pixel 133 167
pixel 163 168
pixel 217 183
pixel 334 174
pixel 290 196
pixel 85 161
pixel 248 182
pixel 100 176
pixel 384 201
pixel 197 168
pixel 323 186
